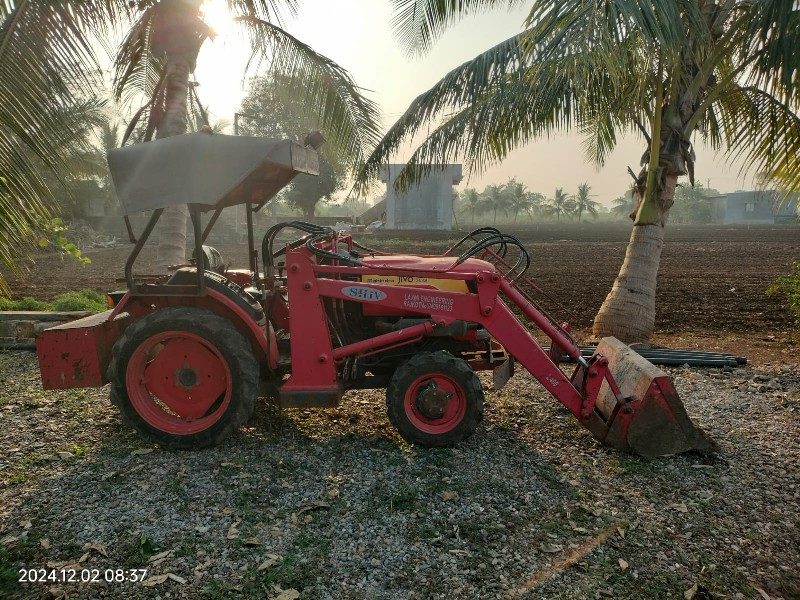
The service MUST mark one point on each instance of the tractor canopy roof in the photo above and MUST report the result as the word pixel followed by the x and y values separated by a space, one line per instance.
pixel 210 170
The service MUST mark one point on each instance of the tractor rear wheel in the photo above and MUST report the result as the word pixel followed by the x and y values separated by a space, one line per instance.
pixel 435 400
pixel 184 377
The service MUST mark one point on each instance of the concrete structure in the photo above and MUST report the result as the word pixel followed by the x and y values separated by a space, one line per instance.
pixel 758 207
pixel 428 205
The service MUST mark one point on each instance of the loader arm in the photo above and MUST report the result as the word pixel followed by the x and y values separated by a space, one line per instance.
pixel 621 398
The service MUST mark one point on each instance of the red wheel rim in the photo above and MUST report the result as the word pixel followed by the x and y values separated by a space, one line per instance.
pixel 178 382
pixel 453 410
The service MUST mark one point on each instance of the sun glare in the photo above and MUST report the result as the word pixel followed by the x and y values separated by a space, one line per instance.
pixel 216 16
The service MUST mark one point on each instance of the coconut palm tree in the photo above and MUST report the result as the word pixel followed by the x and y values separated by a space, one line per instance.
pixel 624 206
pixel 493 200
pixel 560 204
pixel 160 52
pixel 472 201
pixel 584 202
pixel 519 199
pixel 46 61
pixel 726 70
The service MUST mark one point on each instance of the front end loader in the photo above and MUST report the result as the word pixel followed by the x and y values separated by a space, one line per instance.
pixel 312 318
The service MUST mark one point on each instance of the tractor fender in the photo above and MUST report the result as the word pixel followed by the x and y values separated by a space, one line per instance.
pixel 262 340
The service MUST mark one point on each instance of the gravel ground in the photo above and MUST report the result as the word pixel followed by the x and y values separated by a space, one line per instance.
pixel 333 504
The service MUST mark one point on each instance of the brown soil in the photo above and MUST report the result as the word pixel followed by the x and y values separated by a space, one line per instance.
pixel 711 283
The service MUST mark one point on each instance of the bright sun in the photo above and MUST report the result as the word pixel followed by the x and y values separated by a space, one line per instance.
pixel 216 15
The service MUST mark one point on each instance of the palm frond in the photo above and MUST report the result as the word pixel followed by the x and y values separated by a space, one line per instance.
pixel 461 86
pixel 763 134
pixel 272 11
pixel 774 28
pixel 510 111
pixel 46 56
pixel 137 70
pixel 558 28
pixel 348 118
pixel 419 23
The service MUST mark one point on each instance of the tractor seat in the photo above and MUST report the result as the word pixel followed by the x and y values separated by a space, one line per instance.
pixel 221 284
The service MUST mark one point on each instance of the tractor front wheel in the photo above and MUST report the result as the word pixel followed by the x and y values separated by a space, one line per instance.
pixel 435 400
pixel 184 377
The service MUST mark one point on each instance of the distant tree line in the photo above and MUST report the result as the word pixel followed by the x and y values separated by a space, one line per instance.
pixel 692 205
pixel 513 200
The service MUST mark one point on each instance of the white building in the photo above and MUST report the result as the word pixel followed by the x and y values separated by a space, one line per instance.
pixel 428 205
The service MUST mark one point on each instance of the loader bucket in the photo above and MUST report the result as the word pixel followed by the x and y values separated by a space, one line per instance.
pixel 654 421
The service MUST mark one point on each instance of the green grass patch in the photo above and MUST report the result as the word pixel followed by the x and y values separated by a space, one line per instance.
pixel 13 557
pixel 291 572
pixel 8 574
pixel 403 497
pixel 81 300
pixel 26 303
pixel 789 286
pixel 134 550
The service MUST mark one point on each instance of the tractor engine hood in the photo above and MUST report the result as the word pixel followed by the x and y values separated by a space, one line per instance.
pixel 210 170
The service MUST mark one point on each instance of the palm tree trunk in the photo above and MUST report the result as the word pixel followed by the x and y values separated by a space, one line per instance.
pixel 172 228
pixel 629 311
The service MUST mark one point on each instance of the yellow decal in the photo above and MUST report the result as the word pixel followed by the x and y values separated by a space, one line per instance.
pixel 448 285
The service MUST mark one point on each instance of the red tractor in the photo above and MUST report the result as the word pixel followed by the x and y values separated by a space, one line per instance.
pixel 188 357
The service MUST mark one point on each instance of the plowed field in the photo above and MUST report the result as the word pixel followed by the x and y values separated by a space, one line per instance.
pixel 712 279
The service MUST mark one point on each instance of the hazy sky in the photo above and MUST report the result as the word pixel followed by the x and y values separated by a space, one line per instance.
pixel 357 34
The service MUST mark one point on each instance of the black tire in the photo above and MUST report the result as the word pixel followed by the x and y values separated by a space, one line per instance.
pixel 211 334
pixel 221 284
pixel 425 386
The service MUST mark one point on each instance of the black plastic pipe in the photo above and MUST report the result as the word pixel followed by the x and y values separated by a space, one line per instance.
pixel 669 357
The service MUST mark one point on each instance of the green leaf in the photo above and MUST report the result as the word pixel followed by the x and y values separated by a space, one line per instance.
pixel 61 240
pixel 43 243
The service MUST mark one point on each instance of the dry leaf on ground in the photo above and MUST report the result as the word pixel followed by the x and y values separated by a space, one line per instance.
pixel 233 532
pixel 97 547
pixel 160 555
pixel 155 580
pixel 313 506
pixel 762 593
pixel 272 559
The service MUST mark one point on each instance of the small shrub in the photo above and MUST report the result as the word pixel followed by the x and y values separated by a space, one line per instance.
pixel 789 285
pixel 83 300
pixel 26 303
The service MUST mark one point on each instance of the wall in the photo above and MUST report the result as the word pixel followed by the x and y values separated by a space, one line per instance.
pixel 428 205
